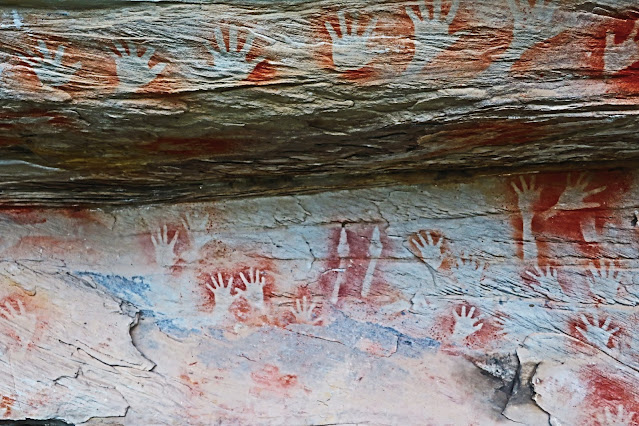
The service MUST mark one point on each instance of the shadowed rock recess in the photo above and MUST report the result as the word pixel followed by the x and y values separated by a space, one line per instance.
pixel 319 212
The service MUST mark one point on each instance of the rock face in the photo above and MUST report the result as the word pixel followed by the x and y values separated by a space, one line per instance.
pixel 318 212
pixel 497 300
pixel 124 101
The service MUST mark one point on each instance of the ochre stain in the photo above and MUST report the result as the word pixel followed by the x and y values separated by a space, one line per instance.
pixel 25 216
pixel 567 224
pixel 359 239
pixel 607 388
pixel 389 39
pixel 269 380
pixel 577 322
pixel 6 405
pixel 626 81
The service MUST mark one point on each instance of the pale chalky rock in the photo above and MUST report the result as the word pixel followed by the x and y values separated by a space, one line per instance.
pixel 495 300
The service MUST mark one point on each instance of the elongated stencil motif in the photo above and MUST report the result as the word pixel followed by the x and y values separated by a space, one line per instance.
pixel 14 21
pixel 527 197
pixel 374 252
pixel 343 251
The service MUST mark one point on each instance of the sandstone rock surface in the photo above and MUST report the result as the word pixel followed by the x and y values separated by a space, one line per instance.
pixel 125 101
pixel 492 301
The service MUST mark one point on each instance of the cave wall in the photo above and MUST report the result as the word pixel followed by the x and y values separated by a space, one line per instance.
pixel 494 300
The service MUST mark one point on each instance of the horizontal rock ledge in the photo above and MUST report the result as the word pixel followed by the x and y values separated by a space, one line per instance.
pixel 149 95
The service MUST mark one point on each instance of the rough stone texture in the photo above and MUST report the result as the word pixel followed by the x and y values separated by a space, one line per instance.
pixel 126 101
pixel 420 246
pixel 497 300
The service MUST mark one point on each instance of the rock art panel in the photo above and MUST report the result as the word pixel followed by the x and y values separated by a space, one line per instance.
pixel 489 301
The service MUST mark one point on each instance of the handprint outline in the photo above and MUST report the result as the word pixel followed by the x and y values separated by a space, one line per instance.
pixel 164 248
pixel 228 61
pixel 429 252
pixel 133 70
pixel 532 24
pixel 620 418
pixel 195 228
pixel 254 281
pixel 465 324
pixel 21 322
pixel 48 67
pixel 574 196
pixel 548 283
pixel 469 273
pixel 599 335
pixel 350 50
pixel 431 35
pixel 223 293
pixel 304 312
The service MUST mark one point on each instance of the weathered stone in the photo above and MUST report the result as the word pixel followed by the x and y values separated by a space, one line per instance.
pixel 513 294
pixel 122 101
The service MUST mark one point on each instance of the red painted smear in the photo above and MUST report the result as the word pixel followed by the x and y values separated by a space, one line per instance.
pixel 54 247
pixel 6 406
pixel 443 326
pixel 25 216
pixel 542 58
pixel 567 224
pixel 271 381
pixel 625 82
pixel 29 309
pixel 490 332
pixel 26 119
pixel 82 215
pixel 465 137
pixel 607 388
pixel 474 51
